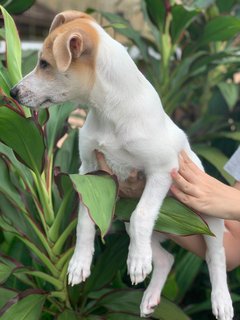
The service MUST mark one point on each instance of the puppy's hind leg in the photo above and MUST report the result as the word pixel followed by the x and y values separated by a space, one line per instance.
pixel 216 261
pixel 162 264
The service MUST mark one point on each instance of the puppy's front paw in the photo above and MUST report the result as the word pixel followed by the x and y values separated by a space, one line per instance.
pixel 79 268
pixel 150 300
pixel 222 305
pixel 139 264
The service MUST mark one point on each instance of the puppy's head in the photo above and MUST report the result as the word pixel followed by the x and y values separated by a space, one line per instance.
pixel 66 65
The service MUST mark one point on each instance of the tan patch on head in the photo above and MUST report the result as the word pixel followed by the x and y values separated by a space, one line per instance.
pixel 67 16
pixel 72 46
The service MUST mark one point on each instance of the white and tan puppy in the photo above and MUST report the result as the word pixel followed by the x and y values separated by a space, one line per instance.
pixel 80 61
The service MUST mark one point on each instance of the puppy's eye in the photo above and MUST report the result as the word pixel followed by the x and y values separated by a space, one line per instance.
pixel 43 64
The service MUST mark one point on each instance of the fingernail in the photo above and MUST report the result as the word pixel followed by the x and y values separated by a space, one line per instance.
pixel 174 172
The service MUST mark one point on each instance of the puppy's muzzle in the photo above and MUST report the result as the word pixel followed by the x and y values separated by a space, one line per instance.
pixel 14 92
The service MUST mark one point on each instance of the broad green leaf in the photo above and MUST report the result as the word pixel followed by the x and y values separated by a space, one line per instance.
pixel 98 194
pixel 13 48
pixel 171 288
pixel 6 295
pixel 122 300
pixel 24 137
pixel 181 20
pixel 225 6
pixel 235 135
pixel 103 272
pixel 42 116
pixel 19 6
pixel 66 158
pixel 7 188
pixel 56 124
pixel 215 157
pixel 221 28
pixel 27 307
pixel 206 305
pixel 230 92
pixel 167 310
pixel 67 315
pixel 157 12
pixel 174 217
pixel 186 271
pixel 5 272
pixel 5 83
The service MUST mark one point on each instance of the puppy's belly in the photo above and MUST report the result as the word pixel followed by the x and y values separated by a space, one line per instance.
pixel 119 161
pixel 121 170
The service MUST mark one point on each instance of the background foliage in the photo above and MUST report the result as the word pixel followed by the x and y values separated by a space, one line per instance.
pixel 191 58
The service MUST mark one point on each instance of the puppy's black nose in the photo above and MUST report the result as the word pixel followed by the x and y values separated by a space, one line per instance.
pixel 14 92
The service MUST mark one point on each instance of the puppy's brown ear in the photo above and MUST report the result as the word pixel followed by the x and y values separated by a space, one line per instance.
pixel 68 46
pixel 66 16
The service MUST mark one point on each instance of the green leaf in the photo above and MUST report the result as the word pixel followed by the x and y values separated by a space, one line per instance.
pixel 5 272
pixel 157 12
pixel 13 48
pixel 103 272
pixel 171 288
pixel 235 135
pixel 24 137
pixel 216 158
pixel 7 188
pixel 5 83
pixel 98 194
pixel 167 310
pixel 6 295
pixel 230 92
pixel 57 122
pixel 124 300
pixel 221 28
pixel 186 271
pixel 17 7
pixel 67 315
pixel 181 20
pixel 225 6
pixel 27 306
pixel 66 158
pixel 174 217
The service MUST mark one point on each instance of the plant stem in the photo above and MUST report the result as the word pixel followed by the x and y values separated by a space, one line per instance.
pixel 60 242
pixel 54 230
pixel 44 198
pixel 48 263
pixel 55 282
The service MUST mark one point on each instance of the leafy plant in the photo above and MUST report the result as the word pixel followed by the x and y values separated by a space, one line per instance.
pixel 16 7
pixel 38 207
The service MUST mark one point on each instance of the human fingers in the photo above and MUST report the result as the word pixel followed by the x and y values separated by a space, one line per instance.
pixel 183 184
pixel 102 162
pixel 181 196
pixel 233 226
pixel 188 163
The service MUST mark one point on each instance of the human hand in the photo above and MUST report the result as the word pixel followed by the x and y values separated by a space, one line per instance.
pixel 132 187
pixel 203 193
